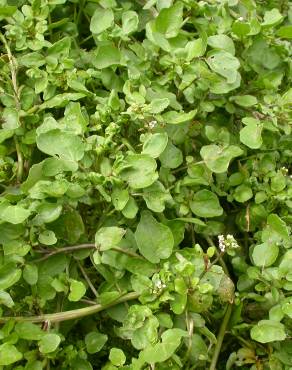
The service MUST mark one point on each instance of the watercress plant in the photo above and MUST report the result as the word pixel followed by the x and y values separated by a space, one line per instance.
pixel 145 207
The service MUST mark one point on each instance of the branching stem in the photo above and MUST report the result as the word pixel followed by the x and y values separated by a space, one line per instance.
pixel 74 248
pixel 73 314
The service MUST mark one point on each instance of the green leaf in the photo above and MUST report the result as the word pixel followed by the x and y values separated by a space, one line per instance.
pixel 217 158
pixel 61 100
pixel 155 144
pixel 9 354
pixel 272 18
pixel 139 170
pixel 154 240
pixel 9 275
pixel 101 20
pixel 244 100
pixel 130 21
pixel 120 198
pixel 49 343
pixel 277 229
pixel 222 42
pixel 176 118
pixel 267 331
pixel 117 357
pixel 265 255
pixel 5 299
pixel 106 56
pixel 29 331
pixel 285 32
pixel 158 105
pixel 155 197
pixel 30 274
pixel 64 144
pixel 225 64
pixel 77 290
pixel 251 134
pixel 47 212
pixel 108 237
pixel 206 204
pixel 160 352
pixel 171 157
pixel 14 214
pixel 95 341
pixel 243 193
pixel 169 20
pixel 48 237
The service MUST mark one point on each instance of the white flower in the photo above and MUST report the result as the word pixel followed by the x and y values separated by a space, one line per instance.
pixel 222 245
pixel 152 124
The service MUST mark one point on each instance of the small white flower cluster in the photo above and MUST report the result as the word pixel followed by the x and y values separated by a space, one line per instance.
pixel 152 124
pixel 227 242
pixel 158 286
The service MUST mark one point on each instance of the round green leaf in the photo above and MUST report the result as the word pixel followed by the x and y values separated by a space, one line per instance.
pixel 139 170
pixel 265 254
pixel 155 144
pixel 155 240
pixel 206 204
pixel 267 331
pixel 9 354
pixel 49 343
pixel 94 341
pixel 117 357
pixel 101 20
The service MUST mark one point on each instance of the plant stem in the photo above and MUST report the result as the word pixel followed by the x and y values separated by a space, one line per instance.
pixel 19 160
pixel 73 248
pixel 220 337
pixel 86 277
pixel 219 255
pixel 73 314
pixel 16 94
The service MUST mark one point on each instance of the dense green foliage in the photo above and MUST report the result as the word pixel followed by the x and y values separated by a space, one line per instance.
pixel 144 178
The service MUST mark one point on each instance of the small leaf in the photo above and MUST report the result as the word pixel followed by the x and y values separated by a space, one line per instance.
pixel 267 331
pixel 244 100
pixel 222 42
pixel 64 144
pixel 5 299
pixel 14 214
pixel 206 204
pixel 117 357
pixel 49 343
pixel 251 135
pixel 155 240
pixel 130 21
pixel 217 158
pixel 101 20
pixel 108 237
pixel 30 274
pixel 155 144
pixel 243 193
pixel 139 170
pixel 176 118
pixel 9 354
pixel 95 341
pixel 9 275
pixel 265 254
pixel 225 64
pixel 158 105
pixel 47 237
pixel 77 290
pixel 29 331
pixel 171 157
pixel 272 18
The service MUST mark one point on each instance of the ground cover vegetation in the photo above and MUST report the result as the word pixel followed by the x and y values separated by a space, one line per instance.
pixel 145 207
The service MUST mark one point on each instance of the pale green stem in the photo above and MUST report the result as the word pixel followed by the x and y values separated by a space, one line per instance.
pixel 73 314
